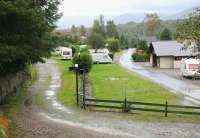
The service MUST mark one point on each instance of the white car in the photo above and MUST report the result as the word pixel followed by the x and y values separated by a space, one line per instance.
pixel 190 67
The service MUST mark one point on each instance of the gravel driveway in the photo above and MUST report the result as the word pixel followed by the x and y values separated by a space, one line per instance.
pixel 52 120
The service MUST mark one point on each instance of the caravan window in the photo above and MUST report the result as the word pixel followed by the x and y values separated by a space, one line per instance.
pixel 66 53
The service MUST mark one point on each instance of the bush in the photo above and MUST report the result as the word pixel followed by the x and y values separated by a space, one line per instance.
pixel 113 44
pixel 139 57
pixel 85 61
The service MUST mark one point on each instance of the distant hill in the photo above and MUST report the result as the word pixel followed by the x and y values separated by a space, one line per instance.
pixel 125 18
pixel 182 15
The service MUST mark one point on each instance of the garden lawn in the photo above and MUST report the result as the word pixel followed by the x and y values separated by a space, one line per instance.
pixel 110 81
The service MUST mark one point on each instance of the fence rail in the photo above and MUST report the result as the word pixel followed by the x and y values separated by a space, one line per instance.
pixel 127 106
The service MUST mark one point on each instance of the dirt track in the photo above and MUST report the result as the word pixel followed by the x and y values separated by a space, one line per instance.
pixel 52 120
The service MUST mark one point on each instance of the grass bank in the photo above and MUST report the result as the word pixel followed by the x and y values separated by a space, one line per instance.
pixel 13 103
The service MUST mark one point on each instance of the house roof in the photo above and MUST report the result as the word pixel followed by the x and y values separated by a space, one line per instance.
pixel 172 48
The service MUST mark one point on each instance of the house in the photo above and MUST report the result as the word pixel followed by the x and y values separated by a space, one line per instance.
pixel 168 54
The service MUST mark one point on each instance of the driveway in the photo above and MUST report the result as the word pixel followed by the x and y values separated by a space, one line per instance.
pixel 50 119
pixel 189 91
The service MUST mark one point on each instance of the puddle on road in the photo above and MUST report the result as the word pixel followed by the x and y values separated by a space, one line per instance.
pixel 95 127
pixel 51 96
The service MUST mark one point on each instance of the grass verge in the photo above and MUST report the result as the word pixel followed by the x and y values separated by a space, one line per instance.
pixel 66 94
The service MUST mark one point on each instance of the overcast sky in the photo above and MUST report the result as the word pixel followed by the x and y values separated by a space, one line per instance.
pixel 75 11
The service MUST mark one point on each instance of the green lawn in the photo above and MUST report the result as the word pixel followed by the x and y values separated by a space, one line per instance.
pixel 67 91
pixel 112 82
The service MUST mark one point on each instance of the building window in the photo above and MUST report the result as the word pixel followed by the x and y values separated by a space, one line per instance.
pixel 177 58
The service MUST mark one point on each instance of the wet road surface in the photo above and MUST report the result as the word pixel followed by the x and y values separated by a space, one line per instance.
pixel 188 91
pixel 53 120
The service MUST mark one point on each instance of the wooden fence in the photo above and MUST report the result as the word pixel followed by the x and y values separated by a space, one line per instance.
pixel 127 106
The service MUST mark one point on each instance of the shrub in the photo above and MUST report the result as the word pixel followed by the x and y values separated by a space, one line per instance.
pixel 85 61
pixel 139 57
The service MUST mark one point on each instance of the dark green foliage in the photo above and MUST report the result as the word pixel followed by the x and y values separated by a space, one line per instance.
pixel 123 42
pixel 113 44
pixel 166 34
pixel 111 30
pixel 139 57
pixel 189 29
pixel 85 60
pixel 96 40
pixel 142 45
pixel 24 32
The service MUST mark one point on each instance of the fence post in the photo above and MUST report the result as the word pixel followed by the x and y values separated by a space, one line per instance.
pixel 125 105
pixel 83 88
pixel 166 105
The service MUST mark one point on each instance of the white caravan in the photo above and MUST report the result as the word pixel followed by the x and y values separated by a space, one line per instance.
pixel 104 51
pixel 100 58
pixel 65 53
pixel 190 67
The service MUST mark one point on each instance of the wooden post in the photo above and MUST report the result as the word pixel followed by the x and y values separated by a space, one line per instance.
pixel 84 88
pixel 166 104
pixel 125 105
pixel 77 99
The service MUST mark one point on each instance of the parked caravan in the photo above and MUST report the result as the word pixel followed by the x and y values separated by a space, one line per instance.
pixel 190 67
pixel 66 53
pixel 101 58
pixel 104 51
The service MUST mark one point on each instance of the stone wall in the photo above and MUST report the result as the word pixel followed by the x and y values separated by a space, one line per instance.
pixel 10 83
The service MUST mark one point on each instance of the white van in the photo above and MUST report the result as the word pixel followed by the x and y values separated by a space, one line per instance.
pixel 190 67
pixel 101 58
pixel 66 53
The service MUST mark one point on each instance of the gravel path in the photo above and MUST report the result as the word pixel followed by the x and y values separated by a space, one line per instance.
pixel 52 120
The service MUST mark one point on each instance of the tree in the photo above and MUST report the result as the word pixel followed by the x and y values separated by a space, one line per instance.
pixel 152 23
pixel 111 29
pixel 142 45
pixel 123 41
pixel 24 32
pixel 113 44
pixel 189 29
pixel 97 28
pixel 166 34
pixel 74 30
pixel 82 30
pixel 96 40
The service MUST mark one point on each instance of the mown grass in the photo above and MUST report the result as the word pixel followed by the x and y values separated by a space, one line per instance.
pixel 66 93
pixel 112 82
